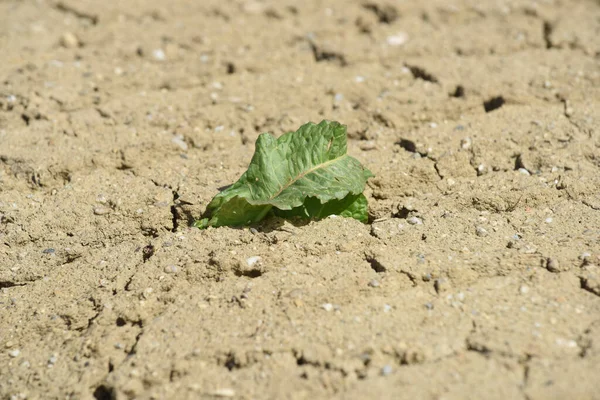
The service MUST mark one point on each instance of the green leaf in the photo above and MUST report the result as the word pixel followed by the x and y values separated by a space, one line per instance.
pixel 352 206
pixel 288 172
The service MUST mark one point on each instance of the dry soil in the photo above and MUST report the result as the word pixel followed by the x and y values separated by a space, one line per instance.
pixel 478 275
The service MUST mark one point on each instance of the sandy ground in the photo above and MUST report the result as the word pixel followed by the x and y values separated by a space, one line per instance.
pixel 478 275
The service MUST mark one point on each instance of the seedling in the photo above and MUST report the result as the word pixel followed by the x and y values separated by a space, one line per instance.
pixel 304 174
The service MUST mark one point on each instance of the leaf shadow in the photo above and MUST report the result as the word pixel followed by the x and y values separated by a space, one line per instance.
pixel 274 223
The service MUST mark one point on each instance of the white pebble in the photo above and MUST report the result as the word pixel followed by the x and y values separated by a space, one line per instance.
pixel 524 171
pixel 414 221
pixel 398 39
pixel 14 353
pixel 566 342
pixel 171 269
pixel 524 289
pixel 101 210
pixel 180 142
pixel 253 260
pixel 466 143
pixel 386 370
pixel 101 199
pixel 374 283
pixel 159 54
pixel 359 79
pixel 327 307
pixel 481 231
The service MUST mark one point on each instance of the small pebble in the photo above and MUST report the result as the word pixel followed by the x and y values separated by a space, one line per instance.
pixel 101 199
pixel 224 392
pixel 414 221
pixel 466 143
pixel 69 40
pixel 253 231
pixel 429 306
pixel 386 370
pixel 368 145
pixel 569 111
pixel 159 54
pixel 48 251
pixel 327 307
pixel 387 308
pixel 101 210
pixel 524 171
pixel 524 289
pixel 398 39
pixel 171 269
pixel 441 285
pixel 548 220
pixel 14 353
pixel 52 360
pixel 552 265
pixel 481 231
pixel 252 260
pixel 180 142
pixel 374 283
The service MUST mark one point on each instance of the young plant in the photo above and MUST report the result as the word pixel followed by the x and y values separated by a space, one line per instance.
pixel 304 174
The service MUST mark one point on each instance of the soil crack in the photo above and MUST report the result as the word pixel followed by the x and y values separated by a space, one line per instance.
pixel 69 9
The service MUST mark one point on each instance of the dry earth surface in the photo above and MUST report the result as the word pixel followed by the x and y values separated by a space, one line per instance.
pixel 478 275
